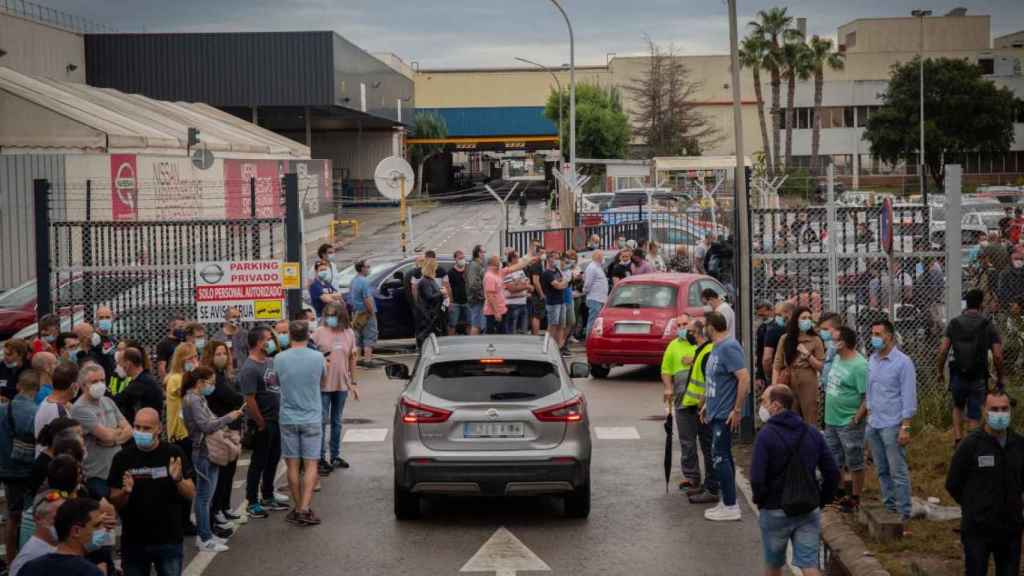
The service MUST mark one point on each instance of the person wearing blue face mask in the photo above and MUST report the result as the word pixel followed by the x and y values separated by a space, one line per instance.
pixel 149 482
pixel 321 291
pixel 798 362
pixel 79 525
pixel 828 326
pixel 891 404
pixel 986 477
pixel 776 327
pixel 201 424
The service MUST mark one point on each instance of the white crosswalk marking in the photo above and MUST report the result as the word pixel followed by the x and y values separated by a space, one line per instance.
pixel 616 433
pixel 365 435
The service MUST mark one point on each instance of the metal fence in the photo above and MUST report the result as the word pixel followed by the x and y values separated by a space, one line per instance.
pixel 576 238
pixel 142 268
pixel 53 17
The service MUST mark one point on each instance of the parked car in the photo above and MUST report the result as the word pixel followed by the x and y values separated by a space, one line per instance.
pixel 987 219
pixel 491 416
pixel 638 321
pixel 394 316
pixel 18 305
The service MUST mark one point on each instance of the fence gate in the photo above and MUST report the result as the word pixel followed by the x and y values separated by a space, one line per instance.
pixel 142 268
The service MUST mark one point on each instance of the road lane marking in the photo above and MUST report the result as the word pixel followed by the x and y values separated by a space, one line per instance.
pixel 505 555
pixel 365 435
pixel 616 433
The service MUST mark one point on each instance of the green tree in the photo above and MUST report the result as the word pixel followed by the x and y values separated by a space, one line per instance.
pixel 774 26
pixel 821 56
pixel 964 112
pixel 602 127
pixel 753 51
pixel 426 125
pixel 796 66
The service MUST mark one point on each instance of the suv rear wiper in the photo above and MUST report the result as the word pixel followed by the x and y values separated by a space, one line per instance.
pixel 512 395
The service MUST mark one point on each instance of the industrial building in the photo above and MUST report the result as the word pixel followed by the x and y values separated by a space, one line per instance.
pixel 505 105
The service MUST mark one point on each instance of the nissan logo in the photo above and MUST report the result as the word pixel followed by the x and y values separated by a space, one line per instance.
pixel 212 273
pixel 492 413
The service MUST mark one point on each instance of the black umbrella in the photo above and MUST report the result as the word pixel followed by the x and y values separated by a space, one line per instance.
pixel 668 447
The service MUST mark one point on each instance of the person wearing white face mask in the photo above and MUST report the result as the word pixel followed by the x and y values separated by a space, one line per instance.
pixel 785 437
pixel 714 302
pixel 104 427
pixel 325 253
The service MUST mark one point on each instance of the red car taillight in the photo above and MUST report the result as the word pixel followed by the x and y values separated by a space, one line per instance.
pixel 598 328
pixel 416 413
pixel 571 411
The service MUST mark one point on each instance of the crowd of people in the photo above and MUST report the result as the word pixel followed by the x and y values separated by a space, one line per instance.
pixel 95 435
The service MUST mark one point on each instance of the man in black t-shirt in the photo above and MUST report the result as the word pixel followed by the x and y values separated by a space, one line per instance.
pixel 165 348
pixel 536 300
pixel 621 267
pixel 149 483
pixel 258 383
pixel 143 391
pixel 553 285
pixel 455 284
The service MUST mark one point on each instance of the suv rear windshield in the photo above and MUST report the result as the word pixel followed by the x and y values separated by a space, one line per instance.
pixel 643 296
pixel 473 381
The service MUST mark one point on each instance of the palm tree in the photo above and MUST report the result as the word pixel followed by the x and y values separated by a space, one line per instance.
pixel 822 57
pixel 753 52
pixel 426 125
pixel 776 27
pixel 797 66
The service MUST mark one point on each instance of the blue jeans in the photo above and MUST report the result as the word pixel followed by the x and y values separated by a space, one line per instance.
pixel 777 530
pixel 515 319
pixel 721 456
pixel 891 464
pixel 206 483
pixel 593 309
pixel 333 405
pixel 165 559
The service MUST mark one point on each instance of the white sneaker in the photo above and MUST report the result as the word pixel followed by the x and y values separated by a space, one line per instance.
pixel 218 539
pixel 211 545
pixel 723 514
pixel 281 498
pixel 220 518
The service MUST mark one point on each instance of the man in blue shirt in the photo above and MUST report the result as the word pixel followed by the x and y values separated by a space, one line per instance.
pixel 364 314
pixel 300 372
pixel 321 292
pixel 891 403
pixel 728 383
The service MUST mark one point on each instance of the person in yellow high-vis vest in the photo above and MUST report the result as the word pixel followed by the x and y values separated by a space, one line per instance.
pixel 688 417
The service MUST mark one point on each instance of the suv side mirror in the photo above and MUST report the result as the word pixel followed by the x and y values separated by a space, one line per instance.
pixel 397 371
pixel 579 370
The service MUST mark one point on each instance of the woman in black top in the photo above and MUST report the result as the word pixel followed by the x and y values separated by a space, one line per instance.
pixel 225 398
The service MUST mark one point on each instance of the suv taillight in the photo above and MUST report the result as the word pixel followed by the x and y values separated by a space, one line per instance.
pixel 598 328
pixel 571 411
pixel 416 413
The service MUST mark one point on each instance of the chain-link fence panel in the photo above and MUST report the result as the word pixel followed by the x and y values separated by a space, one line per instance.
pixel 143 268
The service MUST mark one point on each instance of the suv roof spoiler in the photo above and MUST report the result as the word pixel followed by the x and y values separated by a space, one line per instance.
pixel 434 344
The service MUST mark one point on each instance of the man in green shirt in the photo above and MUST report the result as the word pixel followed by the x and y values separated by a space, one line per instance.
pixel 675 375
pixel 845 411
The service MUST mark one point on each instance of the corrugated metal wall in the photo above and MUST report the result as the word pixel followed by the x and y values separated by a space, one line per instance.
pixel 17 231
pixel 356 152
pixel 236 69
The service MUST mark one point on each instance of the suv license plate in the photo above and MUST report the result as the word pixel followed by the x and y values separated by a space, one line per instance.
pixel 493 430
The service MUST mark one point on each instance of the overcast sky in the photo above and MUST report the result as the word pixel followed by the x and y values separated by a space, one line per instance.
pixel 459 33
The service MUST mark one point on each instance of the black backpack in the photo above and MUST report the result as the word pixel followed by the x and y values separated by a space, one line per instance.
pixel 970 354
pixel 800 491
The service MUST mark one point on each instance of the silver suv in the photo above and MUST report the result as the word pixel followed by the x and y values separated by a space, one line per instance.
pixel 491 416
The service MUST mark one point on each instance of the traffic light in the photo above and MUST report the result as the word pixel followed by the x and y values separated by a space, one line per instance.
pixel 193 137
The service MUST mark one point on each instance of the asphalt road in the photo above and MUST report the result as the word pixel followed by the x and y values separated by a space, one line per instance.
pixel 635 528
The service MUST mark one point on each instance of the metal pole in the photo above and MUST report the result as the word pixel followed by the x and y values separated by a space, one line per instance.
pixel 402 211
pixel 743 210
pixel 572 91
pixel 293 235
pixel 924 188
pixel 833 241
pixel 953 254
pixel 41 200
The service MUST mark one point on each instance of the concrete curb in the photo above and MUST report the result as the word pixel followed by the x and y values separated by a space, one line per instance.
pixel 848 549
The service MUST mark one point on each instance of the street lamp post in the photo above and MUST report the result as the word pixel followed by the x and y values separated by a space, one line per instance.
pixel 572 92
pixel 920 14
pixel 559 84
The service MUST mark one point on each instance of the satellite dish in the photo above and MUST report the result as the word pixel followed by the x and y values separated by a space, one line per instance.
pixel 202 158
pixel 389 175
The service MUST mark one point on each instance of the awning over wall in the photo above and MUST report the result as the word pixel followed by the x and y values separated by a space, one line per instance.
pixel 40 113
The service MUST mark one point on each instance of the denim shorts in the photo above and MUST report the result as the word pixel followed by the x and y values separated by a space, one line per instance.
pixel 367 337
pixel 968 395
pixel 777 530
pixel 846 443
pixel 556 314
pixel 301 441
pixel 459 314
pixel 476 316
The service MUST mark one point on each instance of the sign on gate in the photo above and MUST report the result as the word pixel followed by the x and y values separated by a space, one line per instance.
pixel 252 286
